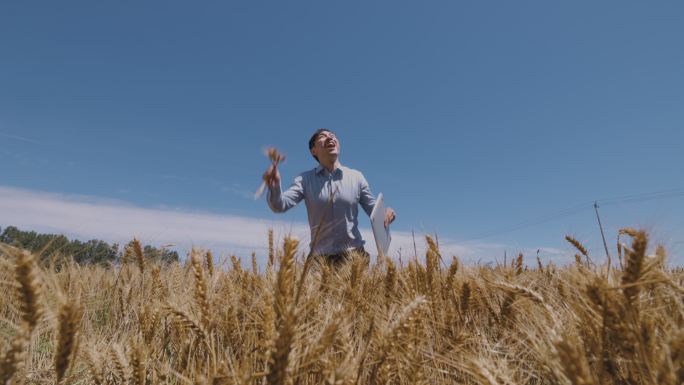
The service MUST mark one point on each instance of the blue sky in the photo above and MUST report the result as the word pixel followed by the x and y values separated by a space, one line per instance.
pixel 472 118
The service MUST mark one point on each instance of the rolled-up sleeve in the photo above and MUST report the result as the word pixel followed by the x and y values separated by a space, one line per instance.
pixel 280 201
pixel 366 198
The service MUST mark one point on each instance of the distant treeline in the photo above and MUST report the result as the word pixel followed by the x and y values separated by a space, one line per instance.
pixel 48 246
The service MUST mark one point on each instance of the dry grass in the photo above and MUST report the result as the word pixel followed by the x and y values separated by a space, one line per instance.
pixel 422 323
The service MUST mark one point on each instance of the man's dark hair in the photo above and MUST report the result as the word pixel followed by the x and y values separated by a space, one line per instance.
pixel 312 141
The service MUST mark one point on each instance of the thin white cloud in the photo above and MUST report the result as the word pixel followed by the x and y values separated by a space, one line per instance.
pixel 19 138
pixel 116 221
pixel 87 217
pixel 241 192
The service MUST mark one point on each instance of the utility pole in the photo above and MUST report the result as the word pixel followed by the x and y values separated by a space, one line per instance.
pixel 603 236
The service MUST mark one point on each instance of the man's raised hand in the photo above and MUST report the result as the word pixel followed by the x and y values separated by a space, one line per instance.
pixel 271 177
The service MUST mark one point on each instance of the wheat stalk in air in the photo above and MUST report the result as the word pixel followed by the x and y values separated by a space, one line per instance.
pixel 276 158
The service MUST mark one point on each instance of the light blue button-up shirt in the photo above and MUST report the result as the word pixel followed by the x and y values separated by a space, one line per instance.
pixel 332 201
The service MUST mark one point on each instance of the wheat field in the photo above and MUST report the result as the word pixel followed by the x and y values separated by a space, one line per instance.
pixel 430 320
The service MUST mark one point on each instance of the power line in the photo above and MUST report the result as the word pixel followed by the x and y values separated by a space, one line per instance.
pixel 643 197
pixel 530 223
pixel 625 199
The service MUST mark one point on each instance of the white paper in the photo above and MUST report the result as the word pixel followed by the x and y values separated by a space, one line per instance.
pixel 380 232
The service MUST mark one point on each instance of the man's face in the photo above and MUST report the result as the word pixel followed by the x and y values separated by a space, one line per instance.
pixel 326 146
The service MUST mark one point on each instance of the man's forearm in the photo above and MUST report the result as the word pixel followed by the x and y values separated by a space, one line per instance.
pixel 280 201
pixel 274 198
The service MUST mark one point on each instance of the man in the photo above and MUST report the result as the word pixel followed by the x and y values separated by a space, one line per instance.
pixel 332 194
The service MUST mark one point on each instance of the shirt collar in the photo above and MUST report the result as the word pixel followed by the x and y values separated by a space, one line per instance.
pixel 320 169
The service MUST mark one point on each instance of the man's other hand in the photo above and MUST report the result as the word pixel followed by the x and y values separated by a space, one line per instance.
pixel 272 176
pixel 389 216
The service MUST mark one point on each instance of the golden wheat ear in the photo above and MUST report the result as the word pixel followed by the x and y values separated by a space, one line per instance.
pixel 67 337
pixel 12 361
pixel 119 362
pixel 285 316
pixel 26 273
pixel 580 247
pixel 209 260
pixel 139 256
pixel 29 292
pixel 201 289
pixel 95 365
pixel 139 363
pixel 634 263
pixel 573 361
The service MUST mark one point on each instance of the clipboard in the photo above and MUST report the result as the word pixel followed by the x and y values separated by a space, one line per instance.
pixel 380 232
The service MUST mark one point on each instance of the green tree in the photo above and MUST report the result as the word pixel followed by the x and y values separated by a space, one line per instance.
pixel 58 246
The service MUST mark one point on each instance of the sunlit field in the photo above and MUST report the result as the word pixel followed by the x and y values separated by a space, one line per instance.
pixel 428 320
